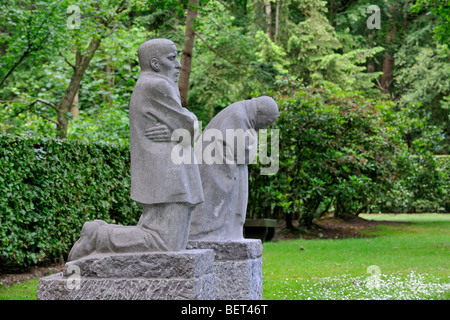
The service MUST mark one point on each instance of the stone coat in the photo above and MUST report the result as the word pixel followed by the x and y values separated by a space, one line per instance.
pixel 154 177
pixel 222 215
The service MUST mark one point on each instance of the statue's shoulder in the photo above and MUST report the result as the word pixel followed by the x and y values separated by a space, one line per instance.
pixel 153 83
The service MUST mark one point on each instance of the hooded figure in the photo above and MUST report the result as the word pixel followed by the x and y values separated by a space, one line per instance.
pixel 227 145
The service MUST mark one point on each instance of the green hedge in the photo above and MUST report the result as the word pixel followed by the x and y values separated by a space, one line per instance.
pixel 50 188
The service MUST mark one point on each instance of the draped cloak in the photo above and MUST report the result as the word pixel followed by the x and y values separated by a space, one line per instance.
pixel 222 215
pixel 154 177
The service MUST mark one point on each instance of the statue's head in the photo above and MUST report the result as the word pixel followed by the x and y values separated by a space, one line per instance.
pixel 160 56
pixel 266 112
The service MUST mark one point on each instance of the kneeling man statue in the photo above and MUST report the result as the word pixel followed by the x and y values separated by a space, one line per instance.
pixel 167 192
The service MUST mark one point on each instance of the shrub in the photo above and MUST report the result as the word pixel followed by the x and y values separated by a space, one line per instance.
pixel 444 165
pixel 407 197
pixel 340 152
pixel 50 188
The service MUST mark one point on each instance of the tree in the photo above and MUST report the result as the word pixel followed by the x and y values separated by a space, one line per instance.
pixel 104 97
pixel 105 24
pixel 36 34
pixel 268 11
pixel 226 68
pixel 314 50
pixel 441 9
pixel 99 23
pixel 28 33
pixel 425 88
pixel 186 54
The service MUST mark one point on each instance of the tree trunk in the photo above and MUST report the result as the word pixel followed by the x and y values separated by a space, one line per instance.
pixel 81 64
pixel 268 9
pixel 306 220
pixel 74 109
pixel 277 21
pixel 386 77
pixel 277 213
pixel 186 55
pixel 289 224
pixel 388 63
pixel 337 209
pixel 327 208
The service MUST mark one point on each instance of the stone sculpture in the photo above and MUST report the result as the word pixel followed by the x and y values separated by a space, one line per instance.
pixel 166 191
pixel 225 180
pixel 148 261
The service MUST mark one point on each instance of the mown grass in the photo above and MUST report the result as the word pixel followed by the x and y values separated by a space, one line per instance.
pixel 20 291
pixel 412 259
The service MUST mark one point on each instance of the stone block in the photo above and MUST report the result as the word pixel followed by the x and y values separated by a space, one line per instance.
pixel 237 268
pixel 186 274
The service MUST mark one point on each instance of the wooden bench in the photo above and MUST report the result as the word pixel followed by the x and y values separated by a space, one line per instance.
pixel 263 229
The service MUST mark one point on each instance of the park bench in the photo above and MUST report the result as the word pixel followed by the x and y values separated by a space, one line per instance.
pixel 263 229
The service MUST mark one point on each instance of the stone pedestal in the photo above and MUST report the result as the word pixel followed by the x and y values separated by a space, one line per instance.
pixel 187 274
pixel 237 268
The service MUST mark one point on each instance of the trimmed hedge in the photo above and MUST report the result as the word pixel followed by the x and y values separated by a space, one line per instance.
pixel 50 188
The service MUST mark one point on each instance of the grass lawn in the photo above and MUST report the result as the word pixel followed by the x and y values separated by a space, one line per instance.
pixel 404 261
pixel 20 291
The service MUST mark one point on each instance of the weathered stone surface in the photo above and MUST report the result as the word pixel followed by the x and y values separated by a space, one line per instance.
pixel 180 264
pixel 237 268
pixel 187 274
pixel 239 280
pixel 167 191
pixel 54 288
pixel 230 250
pixel 224 176
pixel 155 113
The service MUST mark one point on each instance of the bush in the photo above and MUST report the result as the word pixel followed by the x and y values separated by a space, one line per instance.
pixel 50 188
pixel 444 165
pixel 406 196
pixel 340 152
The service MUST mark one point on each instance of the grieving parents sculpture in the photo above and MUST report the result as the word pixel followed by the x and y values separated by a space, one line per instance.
pixel 222 215
pixel 166 191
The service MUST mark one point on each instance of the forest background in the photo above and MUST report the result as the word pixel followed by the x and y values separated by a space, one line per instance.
pixel 362 86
